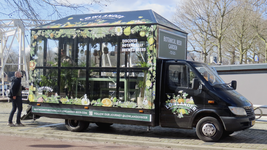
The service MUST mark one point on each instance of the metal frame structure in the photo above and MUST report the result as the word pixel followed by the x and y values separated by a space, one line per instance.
pixel 9 30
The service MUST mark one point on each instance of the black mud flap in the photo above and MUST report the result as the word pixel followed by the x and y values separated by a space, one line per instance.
pixel 29 115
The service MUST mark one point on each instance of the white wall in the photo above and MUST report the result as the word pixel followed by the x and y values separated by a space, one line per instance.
pixel 252 86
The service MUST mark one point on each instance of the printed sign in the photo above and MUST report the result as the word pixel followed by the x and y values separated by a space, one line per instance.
pixel 93 113
pixel 172 46
pixel 132 45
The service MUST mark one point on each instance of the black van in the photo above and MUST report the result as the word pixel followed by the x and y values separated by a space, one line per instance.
pixel 129 68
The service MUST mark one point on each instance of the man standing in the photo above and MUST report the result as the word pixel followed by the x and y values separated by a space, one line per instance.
pixel 16 97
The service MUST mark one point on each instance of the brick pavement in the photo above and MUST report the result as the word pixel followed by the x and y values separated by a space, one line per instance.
pixel 253 138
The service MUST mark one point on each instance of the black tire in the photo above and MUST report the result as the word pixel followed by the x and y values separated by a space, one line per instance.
pixel 76 125
pixel 103 125
pixel 209 129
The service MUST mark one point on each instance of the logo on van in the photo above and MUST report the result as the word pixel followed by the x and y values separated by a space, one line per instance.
pixel 180 105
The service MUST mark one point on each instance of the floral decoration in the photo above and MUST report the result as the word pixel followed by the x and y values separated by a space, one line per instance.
pixel 180 105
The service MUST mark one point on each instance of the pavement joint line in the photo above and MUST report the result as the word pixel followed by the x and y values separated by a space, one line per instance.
pixel 49 125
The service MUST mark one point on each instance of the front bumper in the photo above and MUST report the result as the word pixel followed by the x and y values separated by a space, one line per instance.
pixel 238 123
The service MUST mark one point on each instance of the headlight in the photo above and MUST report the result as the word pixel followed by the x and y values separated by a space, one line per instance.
pixel 239 111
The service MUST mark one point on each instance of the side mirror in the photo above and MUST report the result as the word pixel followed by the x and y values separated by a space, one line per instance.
pixel 233 84
pixel 195 84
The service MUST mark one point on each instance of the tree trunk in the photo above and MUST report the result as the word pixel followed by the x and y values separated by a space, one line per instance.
pixel 246 58
pixel 233 57
pixel 219 51
pixel 241 59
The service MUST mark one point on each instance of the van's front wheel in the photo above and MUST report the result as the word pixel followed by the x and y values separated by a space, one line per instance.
pixel 209 129
pixel 76 125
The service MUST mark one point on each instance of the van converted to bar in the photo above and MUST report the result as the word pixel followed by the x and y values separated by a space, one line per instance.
pixel 129 68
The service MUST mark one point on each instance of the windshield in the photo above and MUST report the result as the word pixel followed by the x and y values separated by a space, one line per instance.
pixel 209 74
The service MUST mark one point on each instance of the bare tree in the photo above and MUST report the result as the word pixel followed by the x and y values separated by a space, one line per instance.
pixel 260 24
pixel 193 16
pixel 222 20
pixel 241 34
pixel 257 49
pixel 235 27
pixel 211 18
pixel 31 9
pixel 12 59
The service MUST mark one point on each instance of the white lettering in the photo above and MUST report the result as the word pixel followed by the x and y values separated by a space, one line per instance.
pixel 169 40
pixel 172 53
pixel 129 41
pixel 173 47
pixel 111 16
pixel 179 42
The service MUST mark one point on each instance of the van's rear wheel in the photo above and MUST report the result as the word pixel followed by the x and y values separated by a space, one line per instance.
pixel 209 129
pixel 76 125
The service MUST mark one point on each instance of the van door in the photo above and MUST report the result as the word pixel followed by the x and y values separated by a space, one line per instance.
pixel 179 101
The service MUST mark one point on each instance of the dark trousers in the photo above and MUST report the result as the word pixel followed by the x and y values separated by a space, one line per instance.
pixel 16 103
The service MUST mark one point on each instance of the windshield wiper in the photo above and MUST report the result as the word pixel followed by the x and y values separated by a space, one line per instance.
pixel 224 85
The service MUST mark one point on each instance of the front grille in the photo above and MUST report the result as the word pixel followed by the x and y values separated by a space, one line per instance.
pixel 249 111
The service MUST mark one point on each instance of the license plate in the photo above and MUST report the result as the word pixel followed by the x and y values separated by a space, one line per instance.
pixel 253 122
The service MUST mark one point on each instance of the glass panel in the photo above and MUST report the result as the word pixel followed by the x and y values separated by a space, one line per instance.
pixel 39 52
pixel 95 54
pixel 178 76
pixel 72 88
pixel 134 56
pixel 81 52
pixel 67 53
pixel 130 89
pixel 109 55
pixel 44 89
pixel 68 78
pixel 192 76
pixel 209 74
pixel 102 88
pixel 52 53
pixel 134 47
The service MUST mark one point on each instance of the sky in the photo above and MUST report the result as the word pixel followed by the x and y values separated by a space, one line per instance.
pixel 165 8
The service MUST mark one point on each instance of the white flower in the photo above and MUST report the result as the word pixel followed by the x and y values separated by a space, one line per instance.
pixel 184 95
pixel 85 100
pixel 145 102
pixel 118 31
pixel 35 57
pixel 45 88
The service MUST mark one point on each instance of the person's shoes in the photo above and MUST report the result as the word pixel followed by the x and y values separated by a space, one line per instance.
pixel 11 124
pixel 20 125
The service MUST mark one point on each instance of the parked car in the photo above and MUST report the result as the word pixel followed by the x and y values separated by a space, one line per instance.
pixel 6 87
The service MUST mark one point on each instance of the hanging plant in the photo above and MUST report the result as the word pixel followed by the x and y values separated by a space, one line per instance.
pixel 81 51
pixel 95 53
pixel 105 50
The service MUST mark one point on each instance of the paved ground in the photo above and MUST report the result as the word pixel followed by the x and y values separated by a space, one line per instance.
pixel 253 138
pixel 24 143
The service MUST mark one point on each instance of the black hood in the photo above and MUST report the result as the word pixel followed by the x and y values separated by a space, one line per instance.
pixel 232 97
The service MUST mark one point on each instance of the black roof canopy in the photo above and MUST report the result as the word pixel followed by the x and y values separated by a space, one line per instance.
pixel 111 19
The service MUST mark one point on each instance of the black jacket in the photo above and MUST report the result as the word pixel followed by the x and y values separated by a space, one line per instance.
pixel 15 85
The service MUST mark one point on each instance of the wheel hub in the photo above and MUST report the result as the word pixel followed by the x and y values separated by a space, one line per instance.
pixel 208 129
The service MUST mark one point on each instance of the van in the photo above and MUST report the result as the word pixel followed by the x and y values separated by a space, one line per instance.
pixel 129 68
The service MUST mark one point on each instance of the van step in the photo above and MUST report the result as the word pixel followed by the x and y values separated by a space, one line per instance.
pixel 29 114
